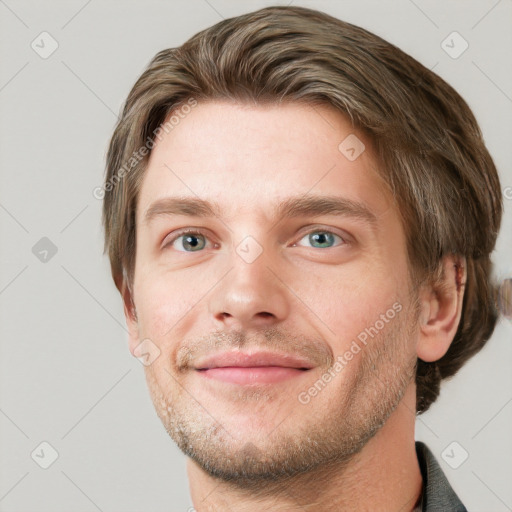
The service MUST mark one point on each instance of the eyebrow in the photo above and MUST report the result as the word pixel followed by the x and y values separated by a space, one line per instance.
pixel 303 206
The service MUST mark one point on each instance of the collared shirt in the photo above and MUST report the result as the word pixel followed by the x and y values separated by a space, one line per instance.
pixel 437 494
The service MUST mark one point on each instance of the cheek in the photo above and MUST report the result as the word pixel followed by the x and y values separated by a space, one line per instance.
pixel 344 301
pixel 163 306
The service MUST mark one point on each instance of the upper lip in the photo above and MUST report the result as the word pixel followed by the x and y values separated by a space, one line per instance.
pixel 247 360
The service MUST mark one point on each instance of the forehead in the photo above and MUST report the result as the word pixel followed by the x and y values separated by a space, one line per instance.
pixel 248 159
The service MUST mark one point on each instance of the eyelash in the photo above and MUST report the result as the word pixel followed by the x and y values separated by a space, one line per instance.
pixel 193 231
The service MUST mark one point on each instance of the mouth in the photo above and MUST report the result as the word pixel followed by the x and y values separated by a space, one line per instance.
pixel 252 374
pixel 256 368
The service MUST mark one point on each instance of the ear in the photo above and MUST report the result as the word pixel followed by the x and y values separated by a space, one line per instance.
pixel 130 314
pixel 441 309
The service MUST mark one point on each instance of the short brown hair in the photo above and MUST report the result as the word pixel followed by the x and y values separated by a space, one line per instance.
pixel 425 136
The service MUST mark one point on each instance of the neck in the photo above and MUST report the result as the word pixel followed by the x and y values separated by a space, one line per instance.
pixel 385 475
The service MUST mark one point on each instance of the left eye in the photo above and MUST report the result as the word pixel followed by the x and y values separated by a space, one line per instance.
pixel 322 239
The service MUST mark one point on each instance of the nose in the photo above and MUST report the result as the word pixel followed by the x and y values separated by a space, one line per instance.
pixel 249 297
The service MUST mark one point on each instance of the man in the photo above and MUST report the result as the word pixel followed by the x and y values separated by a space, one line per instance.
pixel 299 217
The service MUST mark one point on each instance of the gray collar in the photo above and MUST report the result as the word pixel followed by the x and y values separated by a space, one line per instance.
pixel 438 495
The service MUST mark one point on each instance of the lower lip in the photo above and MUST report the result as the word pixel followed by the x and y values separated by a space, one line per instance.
pixel 252 375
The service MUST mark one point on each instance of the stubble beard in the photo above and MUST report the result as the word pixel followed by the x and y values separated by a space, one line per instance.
pixel 310 440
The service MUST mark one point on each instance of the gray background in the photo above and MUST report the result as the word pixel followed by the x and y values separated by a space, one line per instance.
pixel 67 376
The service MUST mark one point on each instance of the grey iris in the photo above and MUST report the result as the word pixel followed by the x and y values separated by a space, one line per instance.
pixel 191 240
pixel 322 238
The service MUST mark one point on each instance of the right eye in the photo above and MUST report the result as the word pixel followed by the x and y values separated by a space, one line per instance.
pixel 187 240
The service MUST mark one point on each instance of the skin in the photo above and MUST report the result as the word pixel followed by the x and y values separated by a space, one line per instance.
pixel 257 447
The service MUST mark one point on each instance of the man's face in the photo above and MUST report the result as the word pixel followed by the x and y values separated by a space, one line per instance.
pixel 316 286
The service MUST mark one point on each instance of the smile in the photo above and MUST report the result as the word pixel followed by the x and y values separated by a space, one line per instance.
pixel 252 374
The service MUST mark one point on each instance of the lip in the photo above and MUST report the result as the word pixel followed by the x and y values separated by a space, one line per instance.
pixel 253 375
pixel 251 360
pixel 259 368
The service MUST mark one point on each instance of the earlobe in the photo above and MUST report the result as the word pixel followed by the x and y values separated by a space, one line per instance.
pixel 441 309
